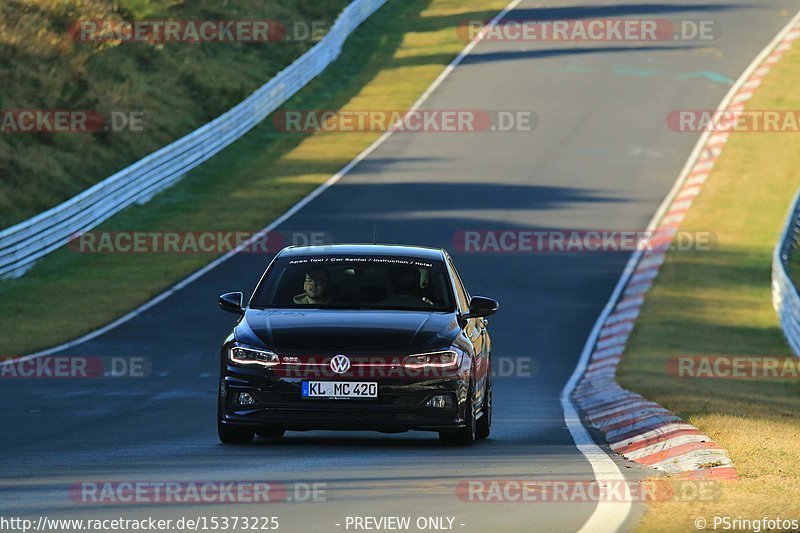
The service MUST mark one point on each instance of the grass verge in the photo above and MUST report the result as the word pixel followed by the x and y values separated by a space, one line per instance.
pixel 718 302
pixel 386 64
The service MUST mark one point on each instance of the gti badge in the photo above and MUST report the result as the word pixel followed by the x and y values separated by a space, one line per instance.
pixel 340 364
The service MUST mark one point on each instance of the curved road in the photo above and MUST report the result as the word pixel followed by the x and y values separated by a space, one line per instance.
pixel 600 158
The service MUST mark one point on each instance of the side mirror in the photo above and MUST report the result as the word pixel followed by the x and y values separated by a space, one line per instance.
pixel 480 306
pixel 232 302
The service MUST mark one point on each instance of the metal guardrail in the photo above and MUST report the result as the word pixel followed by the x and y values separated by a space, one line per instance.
pixel 25 243
pixel 785 296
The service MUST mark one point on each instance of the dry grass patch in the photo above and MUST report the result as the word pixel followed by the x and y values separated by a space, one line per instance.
pixel 718 302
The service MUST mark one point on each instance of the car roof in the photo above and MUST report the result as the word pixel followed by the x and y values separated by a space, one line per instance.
pixel 394 250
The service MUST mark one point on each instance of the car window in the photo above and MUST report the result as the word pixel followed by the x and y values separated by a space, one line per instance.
pixel 356 282
pixel 461 292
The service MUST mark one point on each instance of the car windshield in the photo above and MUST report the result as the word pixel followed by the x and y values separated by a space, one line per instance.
pixel 355 282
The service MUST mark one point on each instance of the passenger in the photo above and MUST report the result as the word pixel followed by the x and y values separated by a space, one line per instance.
pixel 316 288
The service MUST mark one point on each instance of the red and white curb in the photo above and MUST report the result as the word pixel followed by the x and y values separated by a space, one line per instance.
pixel 636 428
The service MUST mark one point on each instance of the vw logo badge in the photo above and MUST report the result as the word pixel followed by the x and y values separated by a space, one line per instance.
pixel 340 364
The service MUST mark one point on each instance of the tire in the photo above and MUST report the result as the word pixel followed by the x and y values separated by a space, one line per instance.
pixel 230 434
pixel 484 424
pixel 462 436
pixel 234 434
pixel 270 432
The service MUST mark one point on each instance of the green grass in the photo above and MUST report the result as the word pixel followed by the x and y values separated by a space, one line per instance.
pixel 177 86
pixel 718 302
pixel 386 64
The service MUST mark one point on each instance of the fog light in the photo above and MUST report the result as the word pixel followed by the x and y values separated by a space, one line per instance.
pixel 440 401
pixel 245 398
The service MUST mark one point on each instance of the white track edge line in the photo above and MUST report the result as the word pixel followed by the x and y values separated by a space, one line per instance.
pixel 607 516
pixel 604 517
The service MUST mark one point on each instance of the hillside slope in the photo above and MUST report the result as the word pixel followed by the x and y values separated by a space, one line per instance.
pixel 172 87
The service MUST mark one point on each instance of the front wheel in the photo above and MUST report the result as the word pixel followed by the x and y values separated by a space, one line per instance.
pixel 270 432
pixel 234 434
pixel 462 436
pixel 230 434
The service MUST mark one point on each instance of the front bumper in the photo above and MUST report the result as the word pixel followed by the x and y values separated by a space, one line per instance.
pixel 400 406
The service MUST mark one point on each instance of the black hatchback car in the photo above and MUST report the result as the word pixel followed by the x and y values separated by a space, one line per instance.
pixel 357 337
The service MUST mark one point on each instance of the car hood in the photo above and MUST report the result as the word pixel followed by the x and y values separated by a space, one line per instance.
pixel 325 331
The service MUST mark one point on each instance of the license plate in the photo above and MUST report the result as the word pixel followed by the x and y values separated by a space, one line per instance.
pixel 340 389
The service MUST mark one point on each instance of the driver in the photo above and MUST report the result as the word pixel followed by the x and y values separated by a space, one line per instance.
pixel 316 287
pixel 406 283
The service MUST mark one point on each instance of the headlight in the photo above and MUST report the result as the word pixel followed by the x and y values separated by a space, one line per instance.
pixel 445 359
pixel 252 356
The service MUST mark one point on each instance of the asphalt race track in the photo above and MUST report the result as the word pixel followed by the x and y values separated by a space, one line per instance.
pixel 601 157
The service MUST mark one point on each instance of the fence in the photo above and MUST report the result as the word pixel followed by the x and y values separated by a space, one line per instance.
pixel 785 297
pixel 25 243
